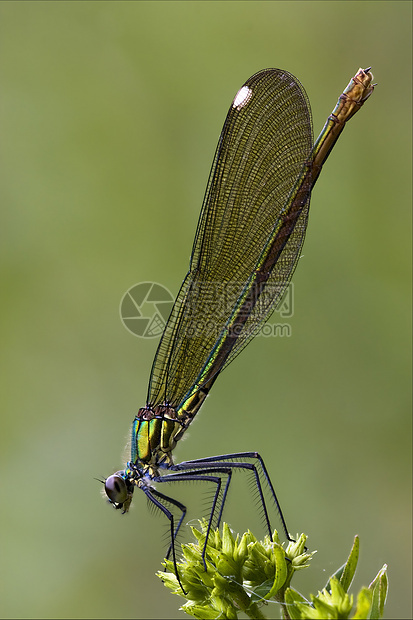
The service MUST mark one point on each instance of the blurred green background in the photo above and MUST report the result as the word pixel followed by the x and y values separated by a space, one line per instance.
pixel 111 115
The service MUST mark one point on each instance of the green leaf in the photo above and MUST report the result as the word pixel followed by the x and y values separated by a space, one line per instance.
pixel 351 565
pixel 281 571
pixel 202 612
pixel 337 599
pixel 228 541
pixel 345 573
pixel 244 573
pixel 379 587
pixel 321 611
pixel 295 604
pixel 240 552
pixel 364 598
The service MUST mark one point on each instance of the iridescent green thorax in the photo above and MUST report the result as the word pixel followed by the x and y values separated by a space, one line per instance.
pixel 155 432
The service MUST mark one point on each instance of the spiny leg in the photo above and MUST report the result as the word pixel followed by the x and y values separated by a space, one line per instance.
pixel 181 507
pixel 202 475
pixel 152 495
pixel 218 460
pixel 211 465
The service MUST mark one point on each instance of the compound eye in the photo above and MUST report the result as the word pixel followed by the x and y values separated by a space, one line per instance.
pixel 115 487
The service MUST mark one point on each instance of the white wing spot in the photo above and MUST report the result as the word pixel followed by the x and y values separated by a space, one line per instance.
pixel 242 97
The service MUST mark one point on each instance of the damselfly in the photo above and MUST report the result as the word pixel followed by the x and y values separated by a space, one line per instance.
pixel 248 241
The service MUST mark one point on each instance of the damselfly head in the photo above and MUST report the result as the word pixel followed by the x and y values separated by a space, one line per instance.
pixel 118 491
